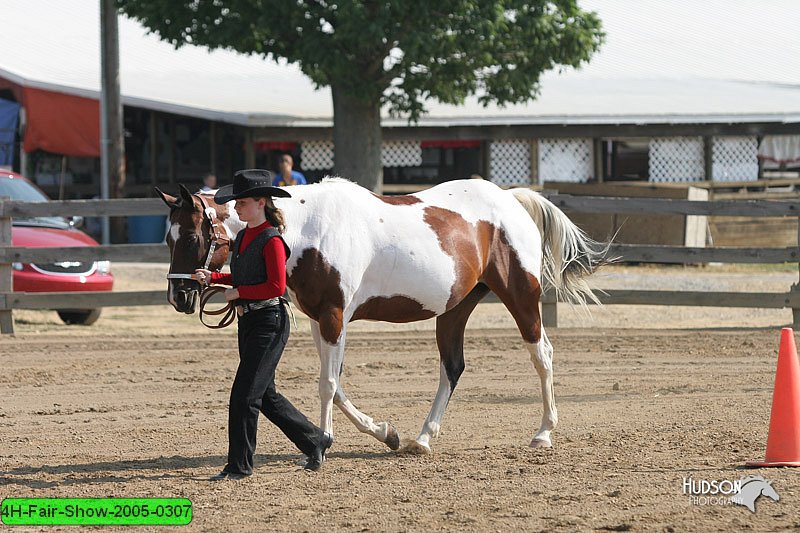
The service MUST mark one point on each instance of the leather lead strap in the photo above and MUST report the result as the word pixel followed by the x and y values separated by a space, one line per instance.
pixel 228 311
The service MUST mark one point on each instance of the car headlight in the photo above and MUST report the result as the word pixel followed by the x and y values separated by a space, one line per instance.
pixel 16 266
pixel 103 267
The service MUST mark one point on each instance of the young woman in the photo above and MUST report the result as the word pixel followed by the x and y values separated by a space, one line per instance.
pixel 258 280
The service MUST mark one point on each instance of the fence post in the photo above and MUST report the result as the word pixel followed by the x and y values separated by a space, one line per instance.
pixel 6 273
pixel 796 287
pixel 549 309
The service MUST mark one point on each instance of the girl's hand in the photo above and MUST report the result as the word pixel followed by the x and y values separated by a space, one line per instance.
pixel 231 294
pixel 203 276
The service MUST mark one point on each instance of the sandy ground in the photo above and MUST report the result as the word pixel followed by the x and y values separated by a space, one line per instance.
pixel 136 406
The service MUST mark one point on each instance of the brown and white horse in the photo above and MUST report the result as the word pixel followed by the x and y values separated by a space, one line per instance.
pixel 359 256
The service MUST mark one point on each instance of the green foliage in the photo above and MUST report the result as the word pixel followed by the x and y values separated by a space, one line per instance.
pixel 402 52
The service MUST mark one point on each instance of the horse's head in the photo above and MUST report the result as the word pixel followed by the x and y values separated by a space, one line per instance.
pixel 752 487
pixel 769 491
pixel 196 239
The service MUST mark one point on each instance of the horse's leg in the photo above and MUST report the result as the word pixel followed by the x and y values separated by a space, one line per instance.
pixel 384 431
pixel 542 357
pixel 450 328
pixel 520 292
pixel 331 357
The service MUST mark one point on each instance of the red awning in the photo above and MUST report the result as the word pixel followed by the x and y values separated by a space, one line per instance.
pixel 282 146
pixel 61 123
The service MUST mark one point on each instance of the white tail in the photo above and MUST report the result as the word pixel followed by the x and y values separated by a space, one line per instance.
pixel 568 254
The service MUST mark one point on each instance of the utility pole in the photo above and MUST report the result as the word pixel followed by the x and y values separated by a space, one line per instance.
pixel 112 142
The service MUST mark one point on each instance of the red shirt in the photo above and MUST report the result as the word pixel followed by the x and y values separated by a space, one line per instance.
pixel 274 260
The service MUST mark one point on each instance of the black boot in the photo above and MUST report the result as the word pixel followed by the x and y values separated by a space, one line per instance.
pixel 232 476
pixel 317 457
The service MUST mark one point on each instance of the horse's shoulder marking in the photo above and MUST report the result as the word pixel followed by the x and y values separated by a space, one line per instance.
pixel 317 285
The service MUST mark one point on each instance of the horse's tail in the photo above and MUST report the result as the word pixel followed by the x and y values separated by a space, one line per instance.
pixel 568 254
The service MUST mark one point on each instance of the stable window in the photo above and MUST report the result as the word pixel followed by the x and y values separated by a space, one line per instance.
pixel 626 159
pixel 441 161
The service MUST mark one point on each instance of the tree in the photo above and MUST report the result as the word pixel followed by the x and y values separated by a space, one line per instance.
pixel 392 53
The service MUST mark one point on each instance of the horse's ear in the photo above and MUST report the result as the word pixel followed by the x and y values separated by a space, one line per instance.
pixel 186 196
pixel 171 201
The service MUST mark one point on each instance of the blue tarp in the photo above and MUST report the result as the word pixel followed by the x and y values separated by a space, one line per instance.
pixel 9 114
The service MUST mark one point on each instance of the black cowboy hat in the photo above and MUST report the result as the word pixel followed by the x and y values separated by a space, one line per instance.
pixel 250 183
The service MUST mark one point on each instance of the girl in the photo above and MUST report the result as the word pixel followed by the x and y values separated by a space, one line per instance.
pixel 258 280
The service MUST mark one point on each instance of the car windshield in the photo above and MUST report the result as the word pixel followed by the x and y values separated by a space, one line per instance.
pixel 21 190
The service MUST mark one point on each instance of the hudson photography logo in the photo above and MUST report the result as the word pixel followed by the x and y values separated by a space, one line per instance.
pixel 744 491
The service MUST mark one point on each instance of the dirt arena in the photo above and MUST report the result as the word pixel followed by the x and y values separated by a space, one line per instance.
pixel 136 406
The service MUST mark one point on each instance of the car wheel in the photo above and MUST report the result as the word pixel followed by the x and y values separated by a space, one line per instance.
pixel 83 317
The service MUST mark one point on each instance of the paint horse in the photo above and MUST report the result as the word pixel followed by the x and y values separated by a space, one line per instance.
pixel 359 256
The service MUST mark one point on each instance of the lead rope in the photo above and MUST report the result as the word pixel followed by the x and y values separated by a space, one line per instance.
pixel 228 311
pixel 288 305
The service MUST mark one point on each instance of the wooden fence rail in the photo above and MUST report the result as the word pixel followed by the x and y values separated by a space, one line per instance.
pixel 583 204
pixel 664 206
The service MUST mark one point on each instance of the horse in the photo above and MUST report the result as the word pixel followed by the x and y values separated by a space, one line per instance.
pixel 752 487
pixel 357 255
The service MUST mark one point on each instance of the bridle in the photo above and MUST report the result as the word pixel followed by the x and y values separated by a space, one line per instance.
pixel 219 239
pixel 218 236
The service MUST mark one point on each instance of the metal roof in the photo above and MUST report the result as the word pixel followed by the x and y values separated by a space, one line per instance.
pixel 665 61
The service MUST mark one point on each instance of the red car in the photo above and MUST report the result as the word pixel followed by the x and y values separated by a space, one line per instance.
pixel 61 276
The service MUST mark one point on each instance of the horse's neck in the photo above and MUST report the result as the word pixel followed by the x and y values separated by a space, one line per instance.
pixel 295 219
pixel 232 223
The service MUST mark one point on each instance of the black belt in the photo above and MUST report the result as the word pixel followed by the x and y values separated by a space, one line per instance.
pixel 254 305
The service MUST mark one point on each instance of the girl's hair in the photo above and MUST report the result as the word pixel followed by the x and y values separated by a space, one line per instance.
pixel 273 214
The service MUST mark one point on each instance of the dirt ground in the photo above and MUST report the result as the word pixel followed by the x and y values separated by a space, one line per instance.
pixel 136 406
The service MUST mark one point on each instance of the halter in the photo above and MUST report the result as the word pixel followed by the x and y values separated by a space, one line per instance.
pixel 218 236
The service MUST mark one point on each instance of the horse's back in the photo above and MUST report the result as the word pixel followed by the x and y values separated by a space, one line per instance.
pixel 470 197
pixel 429 248
pixel 480 201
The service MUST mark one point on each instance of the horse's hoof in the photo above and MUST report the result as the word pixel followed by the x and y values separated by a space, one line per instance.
pixel 541 443
pixel 416 448
pixel 392 438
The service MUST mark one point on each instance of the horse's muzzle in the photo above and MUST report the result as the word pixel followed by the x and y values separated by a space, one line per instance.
pixel 186 300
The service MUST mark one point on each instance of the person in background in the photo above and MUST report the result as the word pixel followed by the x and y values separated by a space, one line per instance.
pixel 209 183
pixel 286 176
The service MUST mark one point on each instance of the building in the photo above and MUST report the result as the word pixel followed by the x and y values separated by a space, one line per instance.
pixel 681 92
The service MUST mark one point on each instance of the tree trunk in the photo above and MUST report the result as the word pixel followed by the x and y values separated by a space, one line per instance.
pixel 357 140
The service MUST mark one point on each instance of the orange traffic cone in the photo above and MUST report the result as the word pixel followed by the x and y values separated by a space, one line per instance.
pixel 783 442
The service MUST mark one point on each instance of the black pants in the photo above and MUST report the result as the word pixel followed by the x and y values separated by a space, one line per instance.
pixel 262 336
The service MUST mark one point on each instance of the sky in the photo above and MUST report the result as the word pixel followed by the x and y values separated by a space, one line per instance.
pixel 57 42
pixel 718 39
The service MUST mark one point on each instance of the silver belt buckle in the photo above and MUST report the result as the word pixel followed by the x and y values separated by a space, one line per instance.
pixel 241 310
